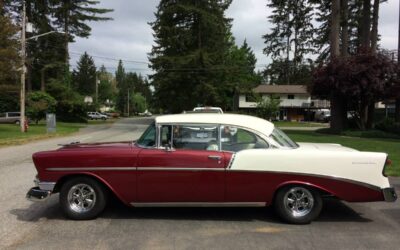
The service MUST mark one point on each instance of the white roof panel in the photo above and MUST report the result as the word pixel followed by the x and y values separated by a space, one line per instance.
pixel 246 121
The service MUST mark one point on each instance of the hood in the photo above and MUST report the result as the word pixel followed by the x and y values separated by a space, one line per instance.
pixel 96 145
pixel 325 146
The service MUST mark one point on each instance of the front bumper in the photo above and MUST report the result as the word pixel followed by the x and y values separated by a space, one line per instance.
pixel 36 194
pixel 389 194
pixel 41 192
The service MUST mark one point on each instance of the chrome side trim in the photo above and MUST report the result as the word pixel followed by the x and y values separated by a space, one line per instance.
pixel 46 186
pixel 367 185
pixel 93 169
pixel 198 204
pixel 135 168
pixel 178 169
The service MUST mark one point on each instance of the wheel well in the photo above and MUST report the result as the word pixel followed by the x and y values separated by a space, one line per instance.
pixel 66 178
pixel 322 192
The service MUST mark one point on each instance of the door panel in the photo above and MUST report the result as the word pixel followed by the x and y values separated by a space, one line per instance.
pixel 181 176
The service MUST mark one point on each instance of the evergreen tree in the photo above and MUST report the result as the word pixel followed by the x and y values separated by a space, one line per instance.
pixel 122 97
pixel 85 76
pixel 292 30
pixel 44 55
pixel 9 62
pixel 72 17
pixel 192 42
pixel 240 73
pixel 107 92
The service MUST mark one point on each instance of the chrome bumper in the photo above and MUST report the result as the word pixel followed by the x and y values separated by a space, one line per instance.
pixel 389 194
pixel 36 194
pixel 41 192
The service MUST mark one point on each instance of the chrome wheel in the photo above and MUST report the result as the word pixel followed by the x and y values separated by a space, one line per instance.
pixel 81 198
pixel 298 201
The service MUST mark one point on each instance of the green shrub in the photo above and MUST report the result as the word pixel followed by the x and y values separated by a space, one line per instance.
pixel 389 125
pixel 70 105
pixel 38 104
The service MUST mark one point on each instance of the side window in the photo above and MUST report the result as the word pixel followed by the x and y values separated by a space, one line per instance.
pixel 195 137
pixel 236 139
pixel 148 138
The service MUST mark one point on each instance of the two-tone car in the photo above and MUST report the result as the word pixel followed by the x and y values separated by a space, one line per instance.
pixel 210 160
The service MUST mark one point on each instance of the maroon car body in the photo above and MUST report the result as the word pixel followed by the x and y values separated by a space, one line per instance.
pixel 157 170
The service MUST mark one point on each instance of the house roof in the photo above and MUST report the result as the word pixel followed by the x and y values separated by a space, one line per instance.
pixel 281 89
pixel 251 122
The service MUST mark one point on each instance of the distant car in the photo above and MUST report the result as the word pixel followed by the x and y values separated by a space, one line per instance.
pixel 145 113
pixel 10 117
pixel 210 160
pixel 323 115
pixel 208 110
pixel 96 116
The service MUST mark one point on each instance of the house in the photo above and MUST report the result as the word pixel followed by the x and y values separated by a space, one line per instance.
pixel 296 103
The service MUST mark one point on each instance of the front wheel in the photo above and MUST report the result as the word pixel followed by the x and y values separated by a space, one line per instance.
pixel 298 204
pixel 82 198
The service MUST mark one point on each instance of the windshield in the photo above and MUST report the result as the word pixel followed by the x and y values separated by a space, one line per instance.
pixel 280 137
pixel 148 138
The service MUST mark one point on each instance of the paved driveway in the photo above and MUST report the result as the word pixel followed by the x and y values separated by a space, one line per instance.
pixel 27 225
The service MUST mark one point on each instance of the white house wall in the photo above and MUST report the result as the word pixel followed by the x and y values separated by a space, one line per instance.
pixel 300 100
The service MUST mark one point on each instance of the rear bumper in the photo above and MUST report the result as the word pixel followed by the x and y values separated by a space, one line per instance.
pixel 389 194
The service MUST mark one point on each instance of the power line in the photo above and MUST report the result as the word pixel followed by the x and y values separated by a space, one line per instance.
pixel 189 69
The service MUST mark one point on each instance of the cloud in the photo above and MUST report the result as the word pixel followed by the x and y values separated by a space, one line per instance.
pixel 129 36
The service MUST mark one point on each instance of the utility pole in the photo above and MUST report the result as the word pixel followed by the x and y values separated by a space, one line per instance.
pixel 23 69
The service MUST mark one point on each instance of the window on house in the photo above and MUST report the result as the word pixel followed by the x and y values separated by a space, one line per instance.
pixel 290 97
pixel 250 98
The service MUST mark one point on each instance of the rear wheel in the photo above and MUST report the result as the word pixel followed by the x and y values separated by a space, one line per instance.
pixel 298 204
pixel 17 122
pixel 82 198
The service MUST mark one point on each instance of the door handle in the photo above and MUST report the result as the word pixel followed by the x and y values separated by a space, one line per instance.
pixel 214 157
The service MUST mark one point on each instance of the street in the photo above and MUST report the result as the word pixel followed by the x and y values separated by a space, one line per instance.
pixel 28 225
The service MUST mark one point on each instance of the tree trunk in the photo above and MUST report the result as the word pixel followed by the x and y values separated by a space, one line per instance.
pixel 366 24
pixel 374 31
pixel 363 115
pixel 335 29
pixel 397 110
pixel 42 79
pixel 338 106
pixel 371 114
pixel 345 28
pixel 338 103
pixel 66 36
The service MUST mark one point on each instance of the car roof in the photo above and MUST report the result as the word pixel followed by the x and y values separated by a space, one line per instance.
pixel 246 121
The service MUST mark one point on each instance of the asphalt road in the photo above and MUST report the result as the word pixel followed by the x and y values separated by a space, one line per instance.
pixel 28 225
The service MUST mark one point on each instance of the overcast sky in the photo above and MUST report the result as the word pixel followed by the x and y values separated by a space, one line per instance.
pixel 129 37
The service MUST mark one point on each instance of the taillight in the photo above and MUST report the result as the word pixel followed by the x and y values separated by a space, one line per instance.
pixel 388 162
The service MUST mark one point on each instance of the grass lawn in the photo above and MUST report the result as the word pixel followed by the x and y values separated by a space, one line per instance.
pixel 10 133
pixel 390 146
pixel 299 124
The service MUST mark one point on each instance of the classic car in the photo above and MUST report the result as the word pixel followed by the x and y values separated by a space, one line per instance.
pixel 210 160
